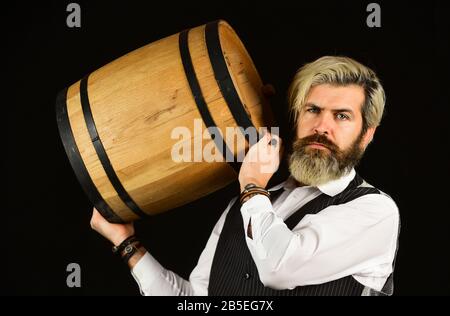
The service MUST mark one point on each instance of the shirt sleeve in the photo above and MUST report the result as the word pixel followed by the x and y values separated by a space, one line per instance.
pixel 340 240
pixel 154 280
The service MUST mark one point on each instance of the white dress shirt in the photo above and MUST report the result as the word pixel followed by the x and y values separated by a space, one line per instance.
pixel 357 238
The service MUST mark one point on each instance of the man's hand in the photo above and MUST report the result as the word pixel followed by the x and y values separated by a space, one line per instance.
pixel 261 161
pixel 115 233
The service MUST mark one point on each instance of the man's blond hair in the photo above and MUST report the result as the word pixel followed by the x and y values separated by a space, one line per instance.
pixel 339 71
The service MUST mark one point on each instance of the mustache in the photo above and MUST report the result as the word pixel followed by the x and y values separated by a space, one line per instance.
pixel 318 139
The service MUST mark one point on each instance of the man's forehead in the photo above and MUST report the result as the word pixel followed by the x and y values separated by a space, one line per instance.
pixel 333 97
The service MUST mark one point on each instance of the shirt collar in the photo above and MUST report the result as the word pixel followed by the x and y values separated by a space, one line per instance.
pixel 331 188
pixel 334 187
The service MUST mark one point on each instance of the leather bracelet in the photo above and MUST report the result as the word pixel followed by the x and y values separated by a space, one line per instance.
pixel 251 192
pixel 251 186
pixel 264 192
pixel 257 189
pixel 118 249
pixel 130 250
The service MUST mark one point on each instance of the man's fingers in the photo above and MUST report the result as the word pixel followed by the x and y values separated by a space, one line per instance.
pixel 96 219
pixel 275 141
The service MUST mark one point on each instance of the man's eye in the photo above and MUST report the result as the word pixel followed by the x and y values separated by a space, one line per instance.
pixel 342 117
pixel 313 110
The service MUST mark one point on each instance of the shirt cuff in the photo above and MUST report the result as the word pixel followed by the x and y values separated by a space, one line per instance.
pixel 256 205
pixel 146 272
pixel 257 208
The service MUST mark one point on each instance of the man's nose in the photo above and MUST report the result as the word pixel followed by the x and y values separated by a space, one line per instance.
pixel 323 125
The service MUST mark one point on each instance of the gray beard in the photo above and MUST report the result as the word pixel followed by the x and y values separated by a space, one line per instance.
pixel 314 167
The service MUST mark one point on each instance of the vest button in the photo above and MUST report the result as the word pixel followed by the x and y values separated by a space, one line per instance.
pixel 247 276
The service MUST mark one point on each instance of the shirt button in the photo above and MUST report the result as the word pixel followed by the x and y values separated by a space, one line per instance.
pixel 247 276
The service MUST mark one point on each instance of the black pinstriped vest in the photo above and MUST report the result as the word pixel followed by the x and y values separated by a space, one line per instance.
pixel 234 272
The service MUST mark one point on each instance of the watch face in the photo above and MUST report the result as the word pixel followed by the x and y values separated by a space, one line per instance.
pixel 128 249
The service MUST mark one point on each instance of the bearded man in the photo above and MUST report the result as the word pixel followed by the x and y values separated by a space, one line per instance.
pixel 323 231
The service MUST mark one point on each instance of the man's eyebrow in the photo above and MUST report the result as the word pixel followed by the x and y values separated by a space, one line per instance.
pixel 344 110
pixel 310 104
pixel 340 110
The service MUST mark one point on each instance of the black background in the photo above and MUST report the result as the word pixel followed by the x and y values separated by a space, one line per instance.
pixel 47 214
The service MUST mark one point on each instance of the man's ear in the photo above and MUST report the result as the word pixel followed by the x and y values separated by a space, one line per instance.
pixel 368 136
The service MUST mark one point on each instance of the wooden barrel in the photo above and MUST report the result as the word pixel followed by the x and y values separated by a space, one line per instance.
pixel 117 124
